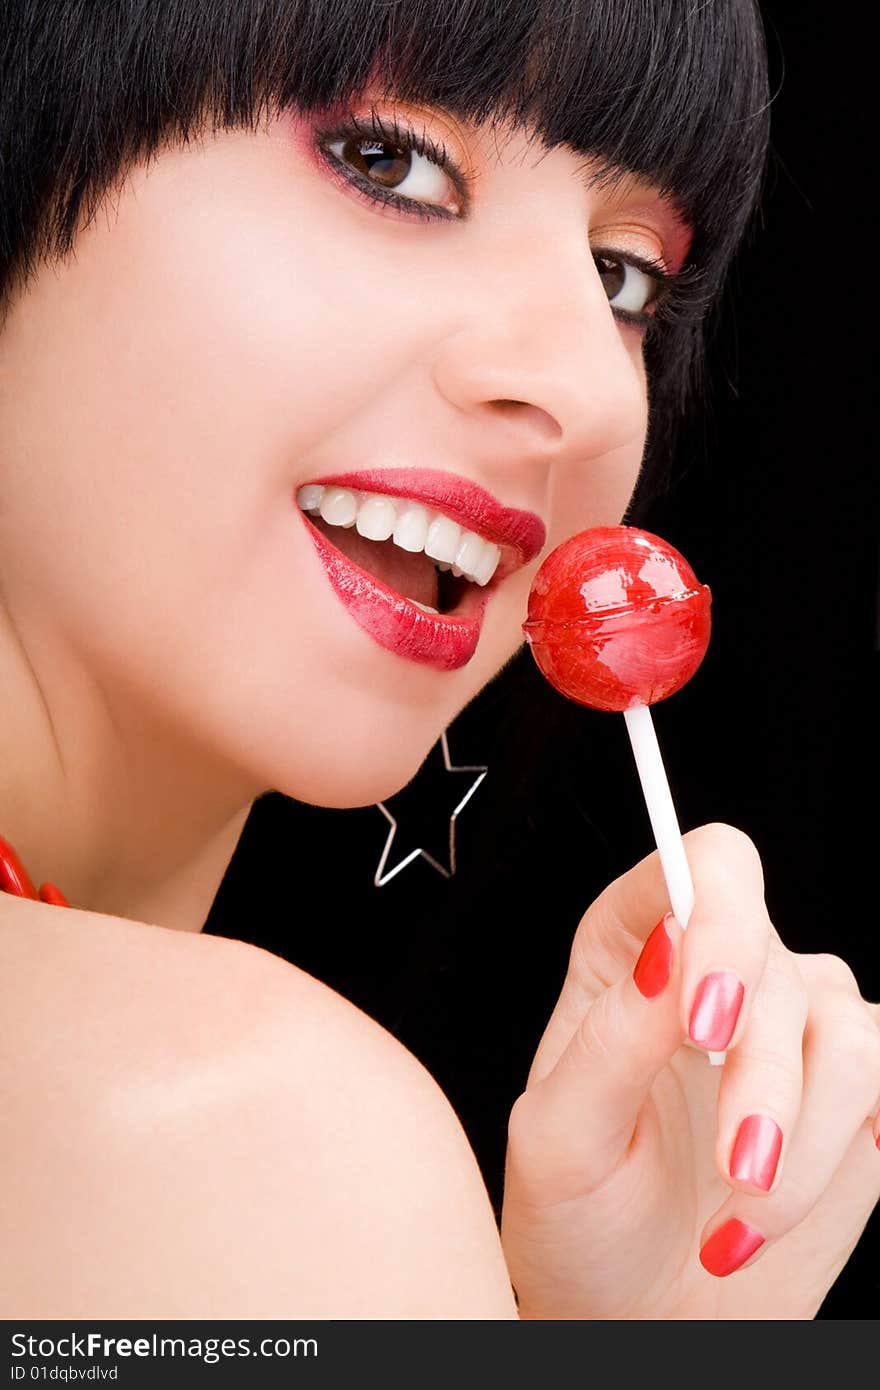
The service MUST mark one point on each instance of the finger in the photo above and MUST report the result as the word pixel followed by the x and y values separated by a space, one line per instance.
pixel 841 1080
pixel 616 925
pixel 728 937
pixel 574 1125
pixel 761 1087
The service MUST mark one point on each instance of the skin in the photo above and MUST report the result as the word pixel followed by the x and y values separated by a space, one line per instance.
pixel 626 1203
pixel 166 423
pixel 167 634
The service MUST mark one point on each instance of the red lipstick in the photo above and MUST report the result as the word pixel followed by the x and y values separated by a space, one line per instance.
pixel 443 641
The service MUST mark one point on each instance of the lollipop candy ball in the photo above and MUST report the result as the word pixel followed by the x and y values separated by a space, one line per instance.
pixel 617 618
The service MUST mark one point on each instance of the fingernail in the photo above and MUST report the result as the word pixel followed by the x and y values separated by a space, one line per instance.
pixel 755 1152
pixel 50 894
pixel 14 877
pixel 715 1010
pixel 651 971
pixel 729 1247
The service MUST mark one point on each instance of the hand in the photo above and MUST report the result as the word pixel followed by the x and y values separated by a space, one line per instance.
pixel 618 1186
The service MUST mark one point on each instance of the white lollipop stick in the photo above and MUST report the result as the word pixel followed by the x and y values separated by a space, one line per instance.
pixel 664 821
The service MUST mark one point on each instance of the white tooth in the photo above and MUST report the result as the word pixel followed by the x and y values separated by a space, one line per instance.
pixel 309 497
pixel 425 607
pixel 471 554
pixel 338 506
pixel 489 564
pixel 411 528
pixel 442 539
pixel 376 517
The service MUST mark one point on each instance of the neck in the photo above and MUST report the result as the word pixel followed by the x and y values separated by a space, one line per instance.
pixel 180 900
pixel 110 802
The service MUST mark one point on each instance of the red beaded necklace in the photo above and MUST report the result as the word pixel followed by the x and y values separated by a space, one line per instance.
pixel 14 878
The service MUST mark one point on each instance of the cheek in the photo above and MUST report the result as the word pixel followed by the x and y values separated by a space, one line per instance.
pixel 224 323
pixel 596 496
pixel 170 381
pixel 579 498
pixel 596 491
pixel 256 334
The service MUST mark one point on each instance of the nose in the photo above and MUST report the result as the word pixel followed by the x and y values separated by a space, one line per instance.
pixel 542 355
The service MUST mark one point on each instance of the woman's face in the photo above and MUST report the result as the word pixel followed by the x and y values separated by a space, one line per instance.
pixel 240 322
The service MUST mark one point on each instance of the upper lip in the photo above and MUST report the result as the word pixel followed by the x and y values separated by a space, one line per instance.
pixel 458 498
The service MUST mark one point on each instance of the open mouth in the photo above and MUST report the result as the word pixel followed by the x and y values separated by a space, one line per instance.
pixel 416 554
pixel 423 555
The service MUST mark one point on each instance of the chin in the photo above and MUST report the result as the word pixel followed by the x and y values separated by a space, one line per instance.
pixel 352 779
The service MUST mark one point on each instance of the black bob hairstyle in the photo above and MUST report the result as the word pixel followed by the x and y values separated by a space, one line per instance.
pixel 672 90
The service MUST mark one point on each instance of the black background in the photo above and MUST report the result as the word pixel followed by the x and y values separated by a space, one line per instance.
pixel 773 506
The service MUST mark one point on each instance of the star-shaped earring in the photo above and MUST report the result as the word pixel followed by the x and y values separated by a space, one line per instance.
pixel 380 877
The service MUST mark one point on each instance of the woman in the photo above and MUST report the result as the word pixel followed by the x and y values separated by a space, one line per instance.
pixel 292 291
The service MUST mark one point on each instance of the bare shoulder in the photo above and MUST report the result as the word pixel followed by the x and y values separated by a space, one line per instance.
pixel 199 1129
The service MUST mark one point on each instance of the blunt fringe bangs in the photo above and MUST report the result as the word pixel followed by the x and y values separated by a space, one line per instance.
pixel 670 90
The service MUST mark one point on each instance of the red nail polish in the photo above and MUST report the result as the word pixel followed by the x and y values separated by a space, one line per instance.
pixel 50 894
pixel 651 971
pixel 14 877
pixel 715 1010
pixel 755 1152
pixel 729 1247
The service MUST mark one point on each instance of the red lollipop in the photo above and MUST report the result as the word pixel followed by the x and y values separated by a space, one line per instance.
pixel 617 621
pixel 617 618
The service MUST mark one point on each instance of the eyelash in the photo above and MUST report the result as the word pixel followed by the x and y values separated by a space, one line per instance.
pixel 679 297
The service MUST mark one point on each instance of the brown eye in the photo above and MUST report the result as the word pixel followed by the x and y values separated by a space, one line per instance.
pixel 627 286
pixel 377 159
pixel 407 173
pixel 612 275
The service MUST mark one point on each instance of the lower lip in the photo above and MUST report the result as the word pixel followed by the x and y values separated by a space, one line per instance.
pixel 445 642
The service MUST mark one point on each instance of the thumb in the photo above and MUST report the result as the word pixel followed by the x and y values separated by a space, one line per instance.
pixel 571 1129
